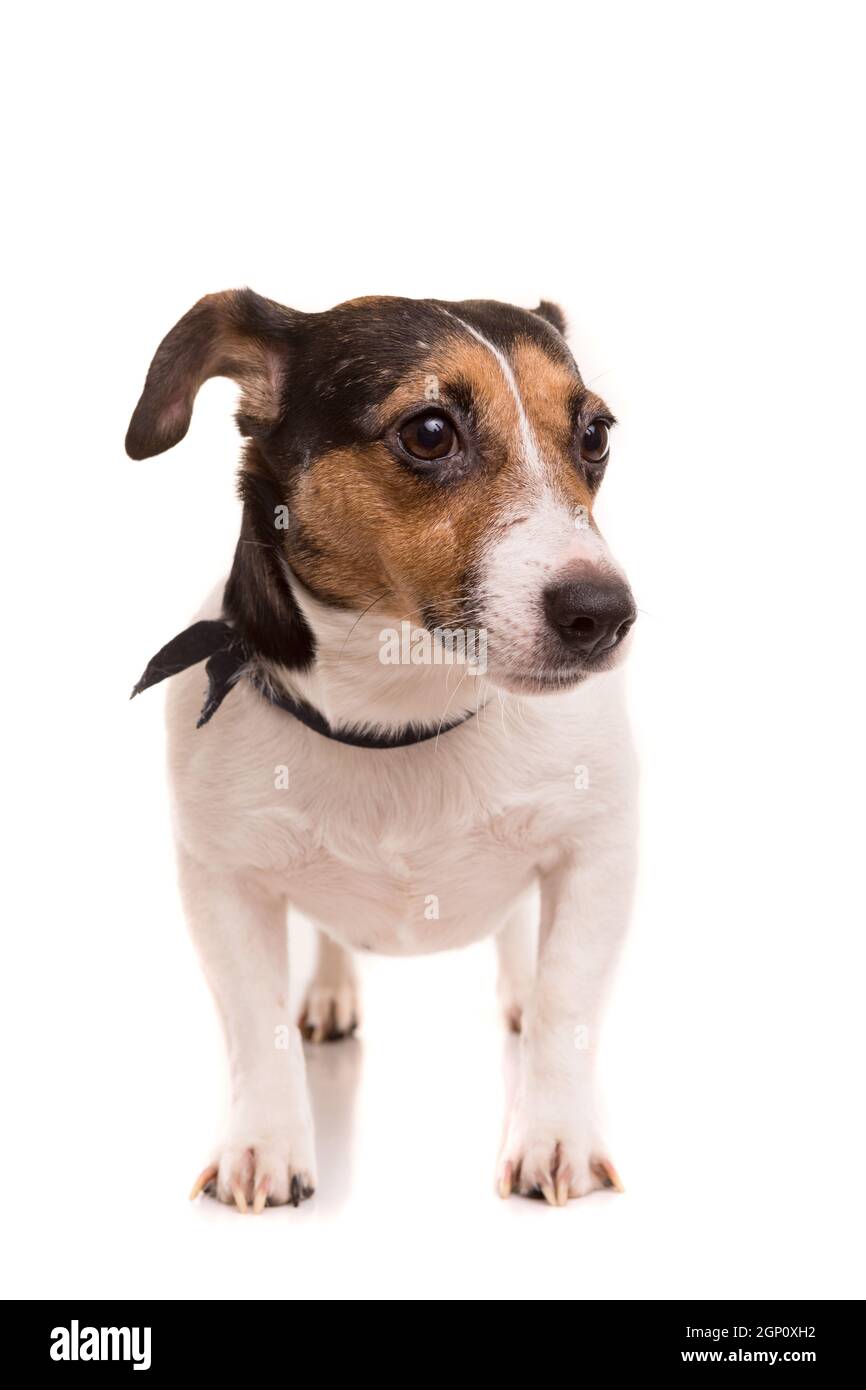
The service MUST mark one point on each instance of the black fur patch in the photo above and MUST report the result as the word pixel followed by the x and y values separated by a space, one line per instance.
pixel 258 599
pixel 553 315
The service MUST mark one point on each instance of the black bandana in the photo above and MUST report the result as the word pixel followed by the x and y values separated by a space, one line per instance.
pixel 227 658
pixel 213 639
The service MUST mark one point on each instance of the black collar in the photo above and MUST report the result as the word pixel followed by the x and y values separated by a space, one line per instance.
pixel 217 642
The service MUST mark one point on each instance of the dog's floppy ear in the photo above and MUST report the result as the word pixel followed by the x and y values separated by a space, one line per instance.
pixel 552 314
pixel 237 334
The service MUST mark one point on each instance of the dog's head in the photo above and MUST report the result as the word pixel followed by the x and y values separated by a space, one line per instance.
pixel 437 460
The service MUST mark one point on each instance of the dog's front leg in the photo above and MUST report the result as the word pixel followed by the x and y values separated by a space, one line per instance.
pixel 552 1145
pixel 240 932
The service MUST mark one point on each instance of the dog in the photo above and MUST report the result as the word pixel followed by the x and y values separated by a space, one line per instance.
pixel 427 468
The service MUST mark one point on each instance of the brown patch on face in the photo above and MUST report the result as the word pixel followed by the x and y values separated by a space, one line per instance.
pixel 367 530
pixel 365 525
pixel 548 391
pixel 546 387
pixel 462 359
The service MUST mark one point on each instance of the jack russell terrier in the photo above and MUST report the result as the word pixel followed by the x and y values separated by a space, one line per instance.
pixel 432 467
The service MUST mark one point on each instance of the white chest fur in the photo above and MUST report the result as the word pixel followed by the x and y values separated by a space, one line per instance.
pixel 404 850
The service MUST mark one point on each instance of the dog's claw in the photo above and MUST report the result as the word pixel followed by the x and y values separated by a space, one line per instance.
pixel 563 1182
pixel 261 1196
pixel 240 1198
pixel 506 1182
pixel 207 1175
pixel 604 1169
pixel 555 1170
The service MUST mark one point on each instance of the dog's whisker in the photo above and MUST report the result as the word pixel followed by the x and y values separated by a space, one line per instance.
pixel 445 711
pixel 361 615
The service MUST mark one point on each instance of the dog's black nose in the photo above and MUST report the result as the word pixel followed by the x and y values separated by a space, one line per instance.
pixel 589 618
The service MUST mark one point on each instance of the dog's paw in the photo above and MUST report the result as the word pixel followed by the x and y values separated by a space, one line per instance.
pixel 331 1011
pixel 272 1170
pixel 554 1162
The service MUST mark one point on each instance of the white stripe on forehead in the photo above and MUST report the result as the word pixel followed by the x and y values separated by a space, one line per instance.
pixel 531 455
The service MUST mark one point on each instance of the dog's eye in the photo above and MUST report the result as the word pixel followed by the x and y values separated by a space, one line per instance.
pixel 595 444
pixel 430 436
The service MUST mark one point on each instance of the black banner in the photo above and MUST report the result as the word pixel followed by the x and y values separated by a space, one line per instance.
pixel 159 1338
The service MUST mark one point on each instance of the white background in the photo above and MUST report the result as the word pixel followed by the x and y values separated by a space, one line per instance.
pixel 687 181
